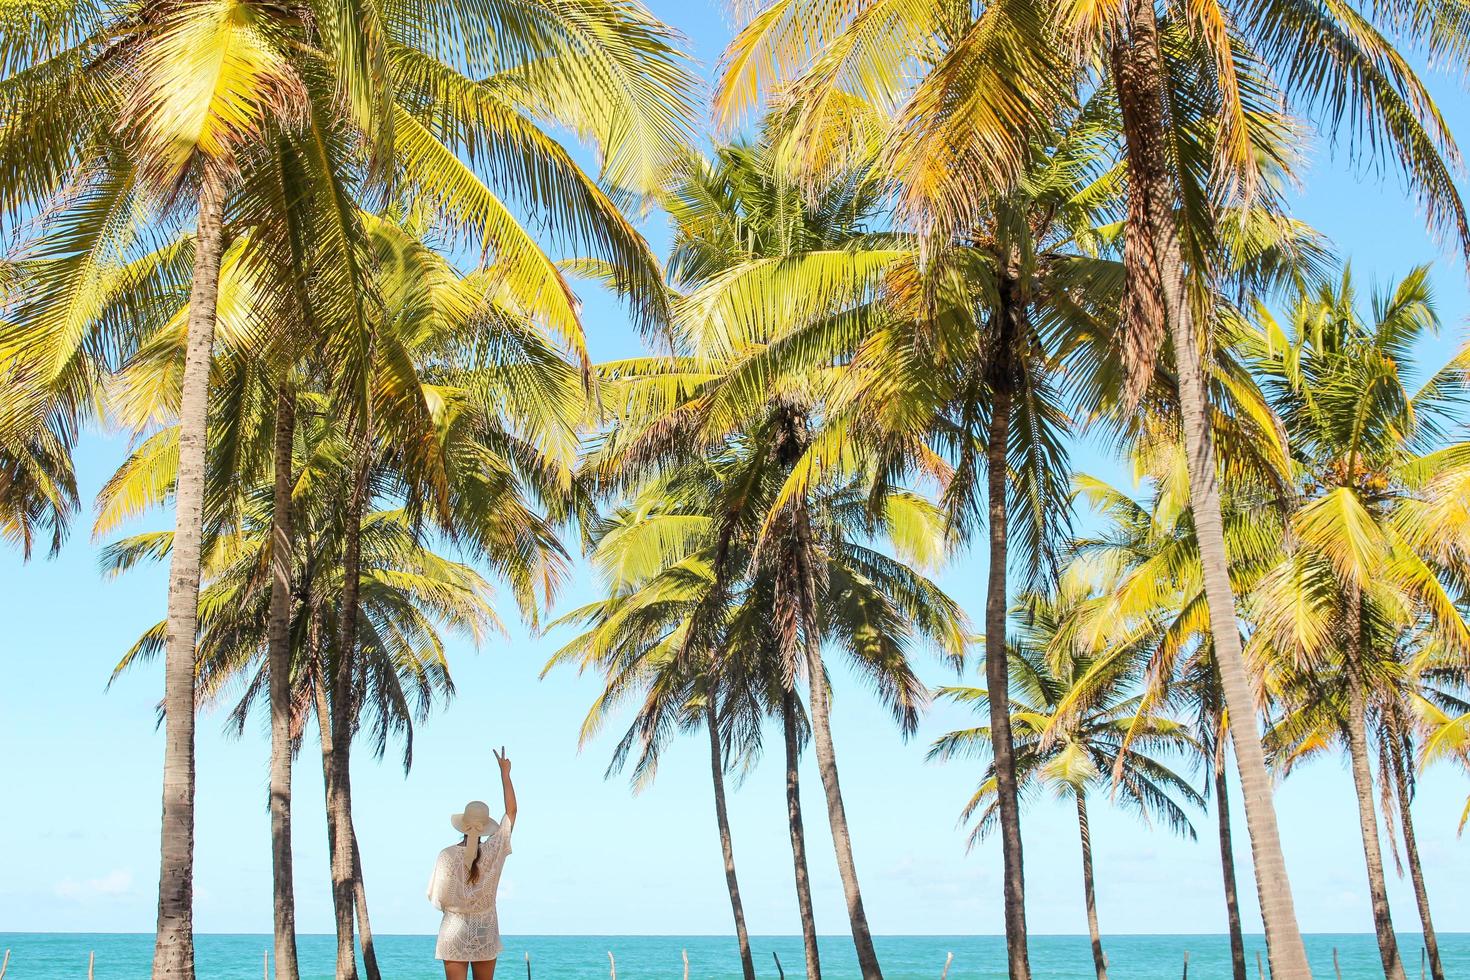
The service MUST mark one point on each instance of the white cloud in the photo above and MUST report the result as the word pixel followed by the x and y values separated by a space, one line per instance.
pixel 115 883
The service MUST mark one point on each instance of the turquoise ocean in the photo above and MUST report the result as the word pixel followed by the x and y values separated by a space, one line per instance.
pixel 53 956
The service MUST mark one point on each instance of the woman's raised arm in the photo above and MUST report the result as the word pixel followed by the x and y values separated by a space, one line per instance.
pixel 505 784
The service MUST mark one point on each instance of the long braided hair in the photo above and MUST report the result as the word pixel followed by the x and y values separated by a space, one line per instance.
pixel 474 868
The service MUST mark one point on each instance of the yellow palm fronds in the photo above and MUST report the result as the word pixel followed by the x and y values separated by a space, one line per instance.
pixel 208 81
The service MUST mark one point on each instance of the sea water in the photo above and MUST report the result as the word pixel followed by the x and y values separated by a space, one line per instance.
pixel 53 956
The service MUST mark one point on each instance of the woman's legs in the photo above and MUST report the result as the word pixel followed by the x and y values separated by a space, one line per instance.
pixel 460 970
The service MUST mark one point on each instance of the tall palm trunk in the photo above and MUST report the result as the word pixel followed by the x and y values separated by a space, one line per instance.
pixel 798 836
pixel 173 952
pixel 727 846
pixel 1138 74
pixel 329 773
pixel 1089 891
pixel 1388 950
pixel 278 640
pixel 324 723
pixel 821 714
pixel 997 669
pixel 364 924
pixel 1227 860
pixel 1411 852
pixel 1357 738
pixel 343 704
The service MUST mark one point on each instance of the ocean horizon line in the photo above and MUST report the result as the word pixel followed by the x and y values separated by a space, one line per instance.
pixel 243 956
pixel 721 935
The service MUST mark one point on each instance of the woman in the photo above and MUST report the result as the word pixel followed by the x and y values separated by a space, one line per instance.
pixel 463 886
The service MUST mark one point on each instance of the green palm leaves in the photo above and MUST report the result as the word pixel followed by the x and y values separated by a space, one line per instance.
pixel 1359 584
pixel 770 284
pixel 303 134
pixel 1363 440
pixel 1447 739
pixel 668 630
pixel 316 258
pixel 1077 724
pixel 1076 727
pixel 967 91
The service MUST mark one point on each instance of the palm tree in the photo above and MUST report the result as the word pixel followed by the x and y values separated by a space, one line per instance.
pixel 968 361
pixel 968 93
pixel 1152 607
pixel 470 421
pixel 475 394
pixel 902 345
pixel 398 664
pixel 660 558
pixel 408 593
pixel 1106 744
pixel 635 637
pixel 1397 735
pixel 409 596
pixel 1349 74
pixel 1353 578
pixel 751 249
pixel 206 96
pixel 1316 713
pixel 1063 186
pixel 120 108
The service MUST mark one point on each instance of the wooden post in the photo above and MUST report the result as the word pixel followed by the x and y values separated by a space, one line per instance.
pixel 1260 970
pixel 1186 964
pixel 1335 967
pixel 4 963
pixel 265 965
pixel 947 961
pixel 613 964
pixel 91 962
pixel 528 965
pixel 778 965
pixel 1422 967
pixel 685 954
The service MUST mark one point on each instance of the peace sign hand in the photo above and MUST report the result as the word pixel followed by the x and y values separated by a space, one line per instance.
pixel 503 759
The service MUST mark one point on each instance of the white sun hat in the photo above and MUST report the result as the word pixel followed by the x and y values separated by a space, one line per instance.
pixel 475 822
pixel 475 819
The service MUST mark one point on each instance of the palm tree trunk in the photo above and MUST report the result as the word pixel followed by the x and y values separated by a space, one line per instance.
pixel 339 810
pixel 329 773
pixel 1089 892
pixel 837 815
pixel 821 716
pixel 1138 74
pixel 1227 861
pixel 798 837
pixel 278 640
pixel 1357 738
pixel 1388 950
pixel 339 788
pixel 364 925
pixel 173 952
pixel 727 846
pixel 1411 852
pixel 997 669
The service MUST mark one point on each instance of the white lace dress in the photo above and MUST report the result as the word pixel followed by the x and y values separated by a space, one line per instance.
pixel 470 931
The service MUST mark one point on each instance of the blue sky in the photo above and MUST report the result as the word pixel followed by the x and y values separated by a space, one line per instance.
pixel 80 770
